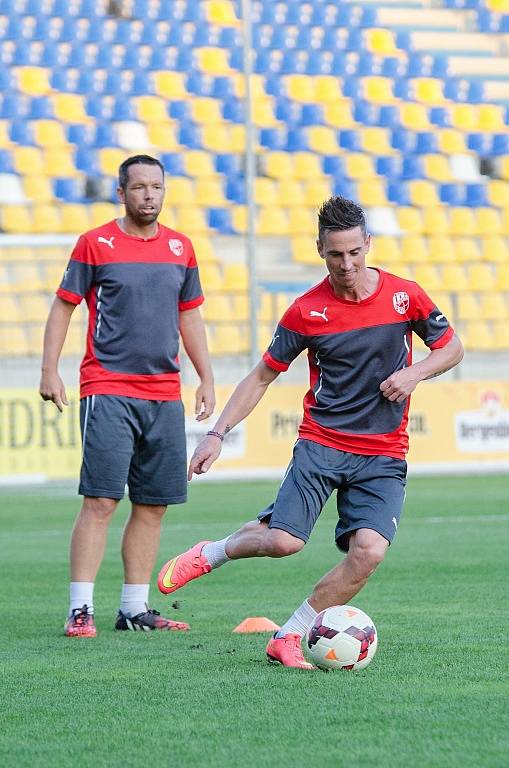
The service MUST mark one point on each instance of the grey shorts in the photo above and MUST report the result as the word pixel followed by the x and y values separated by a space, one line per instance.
pixel 133 442
pixel 370 492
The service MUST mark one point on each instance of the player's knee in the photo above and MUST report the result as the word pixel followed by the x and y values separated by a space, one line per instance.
pixel 281 544
pixel 369 553
pixel 99 509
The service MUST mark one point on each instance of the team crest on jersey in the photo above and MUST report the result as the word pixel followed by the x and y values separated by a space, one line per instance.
pixel 401 302
pixel 176 247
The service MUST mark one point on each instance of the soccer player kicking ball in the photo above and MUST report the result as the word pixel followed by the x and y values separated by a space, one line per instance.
pixel 357 327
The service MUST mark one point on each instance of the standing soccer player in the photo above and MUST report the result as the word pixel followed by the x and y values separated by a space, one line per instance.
pixel 357 326
pixel 141 284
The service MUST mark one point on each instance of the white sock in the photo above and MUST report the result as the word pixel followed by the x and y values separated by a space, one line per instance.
pixel 134 599
pixel 81 593
pixel 215 553
pixel 299 622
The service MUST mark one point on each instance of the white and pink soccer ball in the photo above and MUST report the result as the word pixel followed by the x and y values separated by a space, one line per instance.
pixel 342 637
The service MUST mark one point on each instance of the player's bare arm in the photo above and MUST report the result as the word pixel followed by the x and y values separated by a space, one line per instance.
pixel 244 398
pixel 192 330
pixel 52 387
pixel 401 384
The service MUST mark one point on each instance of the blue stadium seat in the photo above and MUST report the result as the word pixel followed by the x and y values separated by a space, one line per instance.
pixel 426 142
pixel 403 139
pixel 199 83
pixel 394 67
pixel 223 87
pixel 79 134
pixel 482 143
pixel 452 194
pixel 398 193
pixel 368 64
pixel 173 163
pixel 312 114
pixel 234 110
pixel 85 159
pixel 70 190
pixel 389 166
pixel 288 111
pixel 20 132
pixel 229 164
pixel 123 109
pixel 275 85
pixel 334 165
pixel 501 144
pixel 104 135
pixel 221 220
pixel 189 135
pixel 476 195
pixel 12 105
pixel 40 108
pixel 296 140
pixel 273 138
pixel 440 116
pixel 345 188
pixel 6 164
pixel 98 107
pixel 366 112
pixel 235 190
pixel 350 139
pixel 229 38
pixel 179 110
pixel 412 167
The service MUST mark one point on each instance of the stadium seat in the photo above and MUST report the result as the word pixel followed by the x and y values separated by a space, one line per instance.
pixel 468 306
pixel 271 220
pixel 481 277
pixel 494 306
pixel 16 219
pixel 454 278
pixel 410 220
pixel 494 249
pixel 301 221
pixel 462 221
pixel 414 249
pixel 441 249
pixel 423 194
pixel 428 277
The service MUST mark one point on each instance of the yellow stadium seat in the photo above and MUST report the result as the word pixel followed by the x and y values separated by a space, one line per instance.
pixel 494 249
pixel 467 249
pixel 414 116
pixel 490 118
pixel 410 220
pixel 436 167
pixel 451 142
pixel 26 277
pixel 463 117
pixel 423 194
pixel 237 139
pixel 229 340
pixel 204 250
pixel 323 140
pixel 69 108
pixel 75 218
pixel 110 159
pixel 502 276
pixel 376 141
pixel 206 110
pixel 209 192
pixel 462 221
pixel 222 13
pixel 49 134
pixel 240 307
pixel 488 221
pixel 190 219
pixel 17 219
pixel 279 165
pixel 454 278
pixel 500 335
pixel 262 113
pixel 265 191
pixel 468 306
pixel 327 88
pixel 304 250
pixel 306 165
pixel 167 217
pixel 338 114
pixel 239 218
pixel 266 307
pixel 316 192
pixel 211 277
pixel 498 195
pixel 217 308
pixel 100 213
pixel 13 341
pixel 151 109
pixel 52 275
pixel 75 340
pixel 289 193
pixel 301 221
pixel 170 85
pixel 265 334
pixel 477 335
pixel 444 304
pixel 34 307
pixel 385 249
pixel 38 188
pixel 371 193
pixel 435 221
pixel 481 277
pixel 60 163
pixel 180 191
pixel 428 277
pixel 5 139
pixel 216 137
pixel 441 249
pixel 503 167
pixel 398 268
pixel 198 163
pixel 301 88
pixel 359 166
pixel 163 136
pixel 414 249
pixel 213 61
pixel 495 306
pixel 380 41
pixel 429 90
pixel 34 81
pixel 235 277
pixel 10 310
pixel 271 220
pixel 378 90
pixel 28 160
pixel 46 218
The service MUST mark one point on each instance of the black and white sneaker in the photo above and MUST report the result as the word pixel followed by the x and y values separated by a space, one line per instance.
pixel 147 621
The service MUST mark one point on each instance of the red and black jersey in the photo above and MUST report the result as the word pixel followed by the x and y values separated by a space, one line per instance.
pixel 353 347
pixel 134 290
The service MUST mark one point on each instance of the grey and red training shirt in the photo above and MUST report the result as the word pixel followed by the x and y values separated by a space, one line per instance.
pixel 353 347
pixel 134 290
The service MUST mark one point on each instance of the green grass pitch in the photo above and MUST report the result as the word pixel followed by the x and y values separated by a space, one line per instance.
pixel 435 695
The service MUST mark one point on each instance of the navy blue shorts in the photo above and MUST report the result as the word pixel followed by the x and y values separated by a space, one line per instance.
pixel 370 492
pixel 133 442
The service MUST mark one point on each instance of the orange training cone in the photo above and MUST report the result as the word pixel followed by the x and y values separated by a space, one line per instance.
pixel 256 624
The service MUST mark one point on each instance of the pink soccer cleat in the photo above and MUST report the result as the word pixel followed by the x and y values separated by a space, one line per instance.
pixel 286 650
pixel 80 623
pixel 183 568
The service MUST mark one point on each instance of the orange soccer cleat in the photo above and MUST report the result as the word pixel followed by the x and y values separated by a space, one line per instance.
pixel 183 568
pixel 80 623
pixel 286 650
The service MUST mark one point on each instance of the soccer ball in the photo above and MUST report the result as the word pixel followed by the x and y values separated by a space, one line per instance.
pixel 342 637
